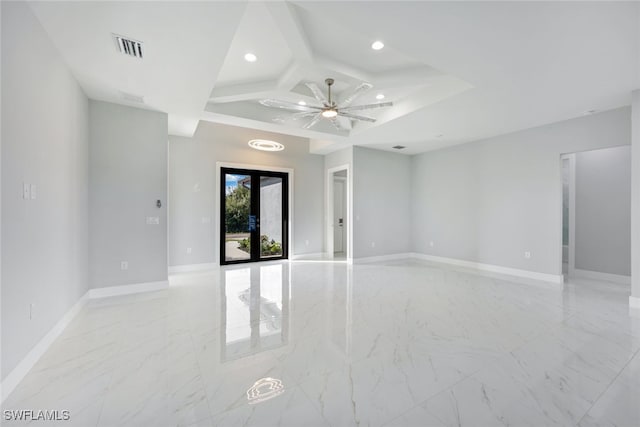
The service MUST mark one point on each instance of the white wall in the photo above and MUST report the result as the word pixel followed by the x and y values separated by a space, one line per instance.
pixel 635 201
pixel 45 143
pixel 193 219
pixel 128 173
pixel 603 211
pixel 490 201
pixel 339 158
pixel 381 203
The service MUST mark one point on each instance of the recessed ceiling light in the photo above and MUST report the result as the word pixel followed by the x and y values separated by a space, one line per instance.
pixel 302 103
pixel 265 145
pixel 250 57
pixel 377 45
pixel 380 96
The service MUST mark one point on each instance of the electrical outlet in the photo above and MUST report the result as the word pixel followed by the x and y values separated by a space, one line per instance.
pixel 527 255
pixel 373 244
pixel 124 265
pixel 306 242
pixel 26 190
pixel 431 243
pixel 189 250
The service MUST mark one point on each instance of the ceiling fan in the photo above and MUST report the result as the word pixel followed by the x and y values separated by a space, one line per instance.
pixel 330 109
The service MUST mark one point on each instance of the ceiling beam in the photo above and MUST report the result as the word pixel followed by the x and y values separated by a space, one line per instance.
pixel 244 91
pixel 291 28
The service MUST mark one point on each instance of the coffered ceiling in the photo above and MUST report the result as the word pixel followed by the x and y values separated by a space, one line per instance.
pixel 455 71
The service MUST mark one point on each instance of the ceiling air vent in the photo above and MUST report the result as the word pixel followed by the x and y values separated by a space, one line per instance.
pixel 399 147
pixel 132 98
pixel 128 46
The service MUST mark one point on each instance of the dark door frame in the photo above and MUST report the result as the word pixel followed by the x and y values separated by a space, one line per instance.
pixel 254 209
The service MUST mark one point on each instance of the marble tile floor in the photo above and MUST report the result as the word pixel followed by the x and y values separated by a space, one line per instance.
pixel 403 343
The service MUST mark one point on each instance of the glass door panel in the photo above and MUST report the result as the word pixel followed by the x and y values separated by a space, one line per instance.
pixel 254 215
pixel 238 222
pixel 271 223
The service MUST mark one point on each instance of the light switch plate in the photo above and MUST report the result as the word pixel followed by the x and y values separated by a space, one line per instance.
pixel 153 220
pixel 33 191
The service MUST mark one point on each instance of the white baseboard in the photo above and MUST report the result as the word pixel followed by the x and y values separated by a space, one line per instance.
pixel 32 357
pixel 309 255
pixel 25 365
pixel 596 275
pixel 389 257
pixel 634 302
pixel 545 277
pixel 135 288
pixel 188 268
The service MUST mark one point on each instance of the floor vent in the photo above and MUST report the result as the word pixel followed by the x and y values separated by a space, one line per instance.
pixel 128 46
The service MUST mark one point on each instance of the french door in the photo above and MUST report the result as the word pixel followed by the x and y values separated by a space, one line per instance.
pixel 254 215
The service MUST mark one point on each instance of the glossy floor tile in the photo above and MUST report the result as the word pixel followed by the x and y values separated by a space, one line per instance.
pixel 404 343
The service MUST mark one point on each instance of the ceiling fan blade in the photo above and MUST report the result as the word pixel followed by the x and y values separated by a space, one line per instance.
pixel 317 93
pixel 313 122
pixel 337 123
pixel 302 115
pixel 274 103
pixel 353 116
pixel 367 106
pixel 294 116
pixel 359 90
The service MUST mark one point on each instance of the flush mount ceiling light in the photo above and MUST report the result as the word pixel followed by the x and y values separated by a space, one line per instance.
pixel 250 57
pixel 302 103
pixel 265 145
pixel 380 96
pixel 377 45
pixel 329 114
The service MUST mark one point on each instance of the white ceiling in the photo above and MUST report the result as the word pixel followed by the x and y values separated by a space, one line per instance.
pixel 462 70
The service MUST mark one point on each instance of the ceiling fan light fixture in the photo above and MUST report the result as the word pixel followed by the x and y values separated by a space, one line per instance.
pixel 265 145
pixel 250 57
pixel 329 114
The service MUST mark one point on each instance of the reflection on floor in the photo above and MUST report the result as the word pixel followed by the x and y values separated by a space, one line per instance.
pixel 406 343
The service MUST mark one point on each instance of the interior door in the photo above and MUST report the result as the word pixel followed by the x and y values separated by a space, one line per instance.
pixel 338 215
pixel 254 215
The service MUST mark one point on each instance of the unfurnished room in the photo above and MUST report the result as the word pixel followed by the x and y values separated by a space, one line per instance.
pixel 320 213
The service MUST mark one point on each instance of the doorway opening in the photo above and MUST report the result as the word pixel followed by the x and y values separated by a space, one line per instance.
pixel 568 214
pixel 253 215
pixel 338 214
pixel 596 214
